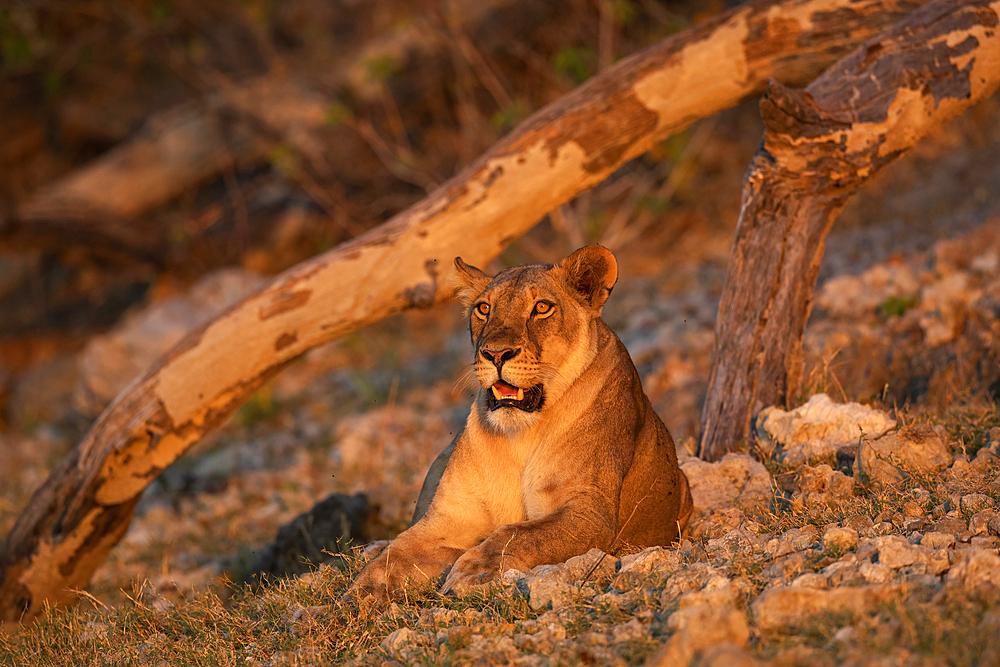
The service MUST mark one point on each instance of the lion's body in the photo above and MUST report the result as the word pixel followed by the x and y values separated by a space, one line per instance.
pixel 561 452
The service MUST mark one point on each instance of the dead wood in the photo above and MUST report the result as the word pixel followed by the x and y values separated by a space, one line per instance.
pixel 174 152
pixel 85 506
pixel 234 125
pixel 820 145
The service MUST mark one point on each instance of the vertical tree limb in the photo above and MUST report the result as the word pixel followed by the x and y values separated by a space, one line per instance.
pixel 820 145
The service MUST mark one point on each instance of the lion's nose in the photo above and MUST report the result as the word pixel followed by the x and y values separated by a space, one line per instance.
pixel 498 357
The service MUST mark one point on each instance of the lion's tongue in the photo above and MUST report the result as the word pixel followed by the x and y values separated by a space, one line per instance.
pixel 502 390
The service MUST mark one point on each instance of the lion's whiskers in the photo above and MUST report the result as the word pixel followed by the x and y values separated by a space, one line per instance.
pixel 467 380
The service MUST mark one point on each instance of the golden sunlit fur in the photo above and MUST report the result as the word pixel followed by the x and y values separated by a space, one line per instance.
pixel 561 451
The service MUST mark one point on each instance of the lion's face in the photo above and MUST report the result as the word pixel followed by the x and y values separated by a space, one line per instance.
pixel 532 330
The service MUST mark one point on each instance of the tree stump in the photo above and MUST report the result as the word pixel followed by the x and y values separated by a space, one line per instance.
pixel 820 145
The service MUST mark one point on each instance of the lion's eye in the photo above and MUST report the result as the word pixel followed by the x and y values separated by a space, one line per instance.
pixel 542 307
pixel 483 309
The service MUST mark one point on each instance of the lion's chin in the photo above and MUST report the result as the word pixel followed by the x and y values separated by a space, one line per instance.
pixel 510 420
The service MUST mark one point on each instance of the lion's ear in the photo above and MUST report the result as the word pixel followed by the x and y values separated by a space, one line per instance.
pixel 592 271
pixel 469 281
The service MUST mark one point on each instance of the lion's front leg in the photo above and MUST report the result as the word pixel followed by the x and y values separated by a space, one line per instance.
pixel 567 532
pixel 406 562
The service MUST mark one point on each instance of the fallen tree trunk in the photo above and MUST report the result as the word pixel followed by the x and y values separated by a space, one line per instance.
pixel 820 145
pixel 175 151
pixel 85 506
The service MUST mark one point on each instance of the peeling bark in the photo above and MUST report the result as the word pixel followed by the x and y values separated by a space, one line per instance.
pixel 820 145
pixel 85 506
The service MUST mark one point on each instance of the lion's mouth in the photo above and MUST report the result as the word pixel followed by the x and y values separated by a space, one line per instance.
pixel 503 395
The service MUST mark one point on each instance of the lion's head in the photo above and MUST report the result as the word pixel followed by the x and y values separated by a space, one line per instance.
pixel 533 330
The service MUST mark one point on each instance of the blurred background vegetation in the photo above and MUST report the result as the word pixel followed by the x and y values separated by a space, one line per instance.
pixel 146 143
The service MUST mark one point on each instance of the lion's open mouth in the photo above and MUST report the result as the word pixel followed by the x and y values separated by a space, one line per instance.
pixel 503 395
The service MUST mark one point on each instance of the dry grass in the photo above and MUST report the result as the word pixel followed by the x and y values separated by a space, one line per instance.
pixel 257 628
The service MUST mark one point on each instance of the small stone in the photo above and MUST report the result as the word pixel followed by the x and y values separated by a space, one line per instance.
pixel 693 578
pixel 839 539
pixel 937 540
pixel 842 572
pixel 857 522
pixel 941 311
pixel 646 563
pixel 951 525
pixel 700 627
pixel 717 523
pixel 527 644
pixel 821 487
pixel 984 460
pixel 973 502
pixel 543 591
pixel 994 486
pixel 845 635
pixel 459 636
pixel 811 580
pixel 818 428
pixel 632 630
pixel 875 573
pixel 974 567
pixel 790 541
pixel 438 617
pixel 554 630
pixel 783 608
pixel 726 655
pixel 735 541
pixel 595 565
pixel 960 467
pixel 889 460
pixel 719 591
pixel 784 569
pixel 896 552
pixel 736 479
pixel 984 542
pixel 912 509
pixel 979 523
pixel 399 640
pixel 855 297
pixel 593 639
pixel 881 528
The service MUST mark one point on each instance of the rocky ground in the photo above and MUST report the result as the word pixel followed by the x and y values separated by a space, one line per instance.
pixel 890 560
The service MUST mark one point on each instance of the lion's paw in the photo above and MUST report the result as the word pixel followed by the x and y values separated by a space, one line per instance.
pixel 371 550
pixel 474 569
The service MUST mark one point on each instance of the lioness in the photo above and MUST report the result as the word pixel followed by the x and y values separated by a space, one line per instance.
pixel 561 451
